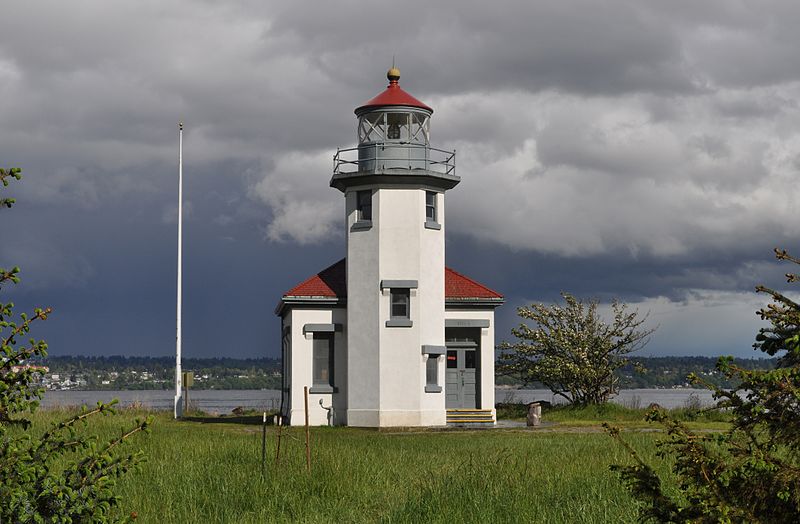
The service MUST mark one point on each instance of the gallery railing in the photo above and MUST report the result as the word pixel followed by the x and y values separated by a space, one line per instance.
pixel 386 157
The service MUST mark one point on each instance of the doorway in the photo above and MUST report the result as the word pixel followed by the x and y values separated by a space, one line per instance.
pixel 462 369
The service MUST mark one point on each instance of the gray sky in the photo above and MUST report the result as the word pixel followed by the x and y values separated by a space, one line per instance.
pixel 643 151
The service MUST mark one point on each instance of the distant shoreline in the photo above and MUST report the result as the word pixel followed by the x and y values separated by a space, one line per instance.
pixel 224 401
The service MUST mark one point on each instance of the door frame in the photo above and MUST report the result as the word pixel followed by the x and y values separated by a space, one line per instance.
pixel 471 343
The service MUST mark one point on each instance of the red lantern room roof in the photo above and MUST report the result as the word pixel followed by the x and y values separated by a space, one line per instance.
pixel 393 96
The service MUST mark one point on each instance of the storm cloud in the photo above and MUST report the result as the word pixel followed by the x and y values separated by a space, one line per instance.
pixel 646 152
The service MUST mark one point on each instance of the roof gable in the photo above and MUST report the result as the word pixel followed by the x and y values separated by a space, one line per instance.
pixel 331 282
pixel 458 286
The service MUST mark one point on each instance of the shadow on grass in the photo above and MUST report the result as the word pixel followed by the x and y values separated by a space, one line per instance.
pixel 247 420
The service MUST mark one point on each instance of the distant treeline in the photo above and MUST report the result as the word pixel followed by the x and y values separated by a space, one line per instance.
pixel 668 372
pixel 120 372
pixel 665 372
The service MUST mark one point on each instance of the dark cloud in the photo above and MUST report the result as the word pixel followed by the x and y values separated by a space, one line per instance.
pixel 613 149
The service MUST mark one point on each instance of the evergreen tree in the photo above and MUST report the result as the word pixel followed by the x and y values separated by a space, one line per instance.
pixel 750 473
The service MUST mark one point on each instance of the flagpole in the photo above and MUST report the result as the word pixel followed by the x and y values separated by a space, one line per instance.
pixel 178 377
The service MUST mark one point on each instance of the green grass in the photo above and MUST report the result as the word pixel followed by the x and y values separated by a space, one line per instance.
pixel 211 472
pixel 615 414
pixel 202 472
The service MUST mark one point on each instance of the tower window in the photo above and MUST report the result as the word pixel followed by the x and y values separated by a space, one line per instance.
pixel 431 213
pixel 399 307
pixel 430 206
pixel 364 205
pixel 401 302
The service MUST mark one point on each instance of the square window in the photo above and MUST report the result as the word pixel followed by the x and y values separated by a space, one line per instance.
pixel 364 206
pixel 400 301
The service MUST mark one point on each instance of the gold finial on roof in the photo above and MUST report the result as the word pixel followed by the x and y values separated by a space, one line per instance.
pixel 393 74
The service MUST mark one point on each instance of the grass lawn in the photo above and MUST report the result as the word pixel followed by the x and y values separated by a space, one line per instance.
pixel 211 472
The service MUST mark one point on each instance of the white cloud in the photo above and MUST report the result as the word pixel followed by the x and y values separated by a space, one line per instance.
pixel 304 208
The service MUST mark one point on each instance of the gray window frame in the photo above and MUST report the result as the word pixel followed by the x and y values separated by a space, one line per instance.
pixel 432 374
pixel 432 222
pixel 403 293
pixel 360 207
pixel 318 386
pixel 399 320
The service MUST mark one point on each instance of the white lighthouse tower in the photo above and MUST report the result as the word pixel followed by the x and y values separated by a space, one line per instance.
pixel 395 211
pixel 389 336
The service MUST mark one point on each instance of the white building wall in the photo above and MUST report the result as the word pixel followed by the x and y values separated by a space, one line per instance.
pixel 363 317
pixel 431 296
pixel 301 363
pixel 487 350
pixel 388 361
pixel 409 251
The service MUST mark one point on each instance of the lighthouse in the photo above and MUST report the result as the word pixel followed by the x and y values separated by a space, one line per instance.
pixel 394 206
pixel 390 336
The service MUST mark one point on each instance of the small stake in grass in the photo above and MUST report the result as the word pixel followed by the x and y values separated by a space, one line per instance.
pixel 263 443
pixel 308 434
pixel 278 447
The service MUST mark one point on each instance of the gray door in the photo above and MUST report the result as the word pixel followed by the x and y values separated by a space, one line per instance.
pixel 460 378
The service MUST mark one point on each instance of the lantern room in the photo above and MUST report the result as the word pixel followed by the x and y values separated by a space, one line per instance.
pixel 394 116
pixel 393 139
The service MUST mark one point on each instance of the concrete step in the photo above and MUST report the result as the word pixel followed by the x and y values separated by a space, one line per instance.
pixel 470 417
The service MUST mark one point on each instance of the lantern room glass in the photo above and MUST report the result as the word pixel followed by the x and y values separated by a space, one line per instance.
pixel 394 126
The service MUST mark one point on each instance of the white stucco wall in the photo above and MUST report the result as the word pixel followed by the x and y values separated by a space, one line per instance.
pixel 363 316
pixel 301 364
pixel 388 361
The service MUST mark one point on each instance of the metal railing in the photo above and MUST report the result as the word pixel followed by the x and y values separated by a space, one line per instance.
pixel 387 156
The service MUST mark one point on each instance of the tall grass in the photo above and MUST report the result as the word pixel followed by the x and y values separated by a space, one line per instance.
pixel 211 473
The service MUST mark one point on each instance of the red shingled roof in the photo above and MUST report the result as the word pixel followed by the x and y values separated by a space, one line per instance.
pixel 394 95
pixel 331 282
pixel 457 286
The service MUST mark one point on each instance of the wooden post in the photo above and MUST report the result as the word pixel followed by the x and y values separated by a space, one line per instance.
pixel 187 377
pixel 263 443
pixel 308 434
pixel 278 447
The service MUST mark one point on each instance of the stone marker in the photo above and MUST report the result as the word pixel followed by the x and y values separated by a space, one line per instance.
pixel 534 414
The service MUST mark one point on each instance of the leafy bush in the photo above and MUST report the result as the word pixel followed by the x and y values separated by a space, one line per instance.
pixel 571 350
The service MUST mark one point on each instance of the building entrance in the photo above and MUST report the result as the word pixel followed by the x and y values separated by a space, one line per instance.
pixel 461 373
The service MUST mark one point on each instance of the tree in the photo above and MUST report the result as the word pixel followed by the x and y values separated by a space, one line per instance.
pixel 571 350
pixel 62 475
pixel 750 473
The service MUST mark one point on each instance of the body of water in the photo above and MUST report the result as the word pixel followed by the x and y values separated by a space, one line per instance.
pixel 224 401
pixel 633 398
pixel 210 400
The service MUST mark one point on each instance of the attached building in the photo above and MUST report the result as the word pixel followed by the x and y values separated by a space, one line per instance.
pixel 389 336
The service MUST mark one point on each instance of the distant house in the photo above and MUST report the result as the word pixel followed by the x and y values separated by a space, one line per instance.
pixel 389 336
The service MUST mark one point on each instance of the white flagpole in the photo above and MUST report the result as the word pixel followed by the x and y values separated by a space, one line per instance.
pixel 178 376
